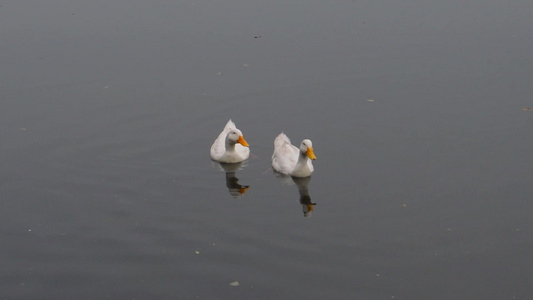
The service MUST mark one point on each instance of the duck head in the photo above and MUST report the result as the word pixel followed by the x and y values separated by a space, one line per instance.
pixel 235 136
pixel 306 148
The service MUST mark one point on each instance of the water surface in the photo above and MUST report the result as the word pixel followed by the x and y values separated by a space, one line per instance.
pixel 417 113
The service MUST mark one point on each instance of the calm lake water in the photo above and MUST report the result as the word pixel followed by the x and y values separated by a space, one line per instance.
pixel 418 114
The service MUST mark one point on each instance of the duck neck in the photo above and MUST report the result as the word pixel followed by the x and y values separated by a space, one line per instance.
pixel 302 161
pixel 230 146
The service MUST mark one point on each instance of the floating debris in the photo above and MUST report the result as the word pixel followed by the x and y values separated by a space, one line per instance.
pixel 196 252
pixel 235 283
pixel 527 108
pixel 370 100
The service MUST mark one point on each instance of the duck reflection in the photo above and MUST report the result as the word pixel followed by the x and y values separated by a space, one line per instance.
pixel 303 188
pixel 232 182
pixel 305 199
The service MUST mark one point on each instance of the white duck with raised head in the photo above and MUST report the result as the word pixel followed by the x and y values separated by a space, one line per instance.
pixel 291 160
pixel 230 146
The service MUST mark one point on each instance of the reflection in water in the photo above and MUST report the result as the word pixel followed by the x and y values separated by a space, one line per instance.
pixel 232 182
pixel 305 199
pixel 302 183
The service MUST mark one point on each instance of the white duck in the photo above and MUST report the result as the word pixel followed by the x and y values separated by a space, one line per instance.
pixel 230 146
pixel 290 160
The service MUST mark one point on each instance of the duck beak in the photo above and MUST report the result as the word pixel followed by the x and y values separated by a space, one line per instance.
pixel 310 153
pixel 242 141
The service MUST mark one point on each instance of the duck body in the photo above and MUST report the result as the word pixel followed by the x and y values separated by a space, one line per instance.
pixel 290 160
pixel 230 146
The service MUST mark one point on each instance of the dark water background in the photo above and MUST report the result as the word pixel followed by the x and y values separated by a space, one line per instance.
pixel 416 111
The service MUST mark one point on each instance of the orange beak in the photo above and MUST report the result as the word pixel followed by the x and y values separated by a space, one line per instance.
pixel 242 141
pixel 310 153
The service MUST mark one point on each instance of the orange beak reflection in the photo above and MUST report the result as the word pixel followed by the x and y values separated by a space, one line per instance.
pixel 243 190
pixel 310 153
pixel 242 141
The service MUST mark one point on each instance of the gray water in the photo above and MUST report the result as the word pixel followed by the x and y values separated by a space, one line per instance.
pixel 417 112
